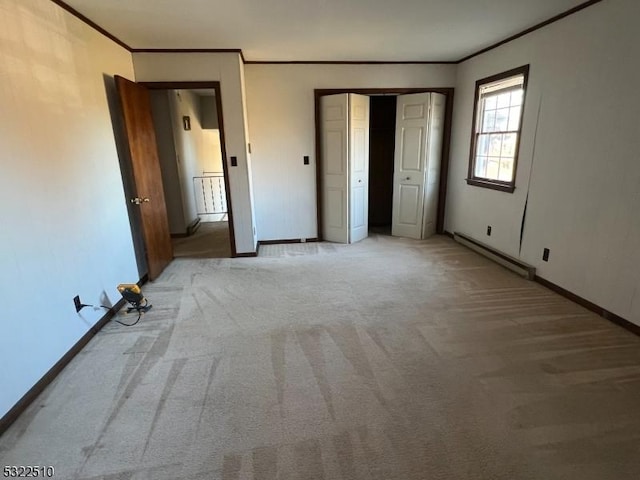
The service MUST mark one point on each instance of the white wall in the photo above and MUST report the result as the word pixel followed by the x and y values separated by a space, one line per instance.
pixel 584 193
pixel 280 102
pixel 212 149
pixel 189 148
pixel 227 69
pixel 212 152
pixel 65 229
pixel 209 112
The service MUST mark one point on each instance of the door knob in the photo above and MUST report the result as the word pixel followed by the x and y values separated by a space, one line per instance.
pixel 408 178
pixel 360 181
pixel 138 200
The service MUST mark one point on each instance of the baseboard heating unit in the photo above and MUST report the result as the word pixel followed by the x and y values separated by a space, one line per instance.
pixel 513 264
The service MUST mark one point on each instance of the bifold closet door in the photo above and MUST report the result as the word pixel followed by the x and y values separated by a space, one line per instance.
pixel 345 167
pixel 419 119
pixel 358 167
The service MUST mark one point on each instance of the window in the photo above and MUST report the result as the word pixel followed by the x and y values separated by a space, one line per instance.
pixel 497 120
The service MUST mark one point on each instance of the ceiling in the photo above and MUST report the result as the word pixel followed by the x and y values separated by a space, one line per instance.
pixel 321 30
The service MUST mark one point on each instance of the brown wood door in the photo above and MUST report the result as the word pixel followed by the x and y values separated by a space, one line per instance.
pixel 141 138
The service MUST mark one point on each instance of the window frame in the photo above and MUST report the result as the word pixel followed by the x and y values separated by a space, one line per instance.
pixel 472 179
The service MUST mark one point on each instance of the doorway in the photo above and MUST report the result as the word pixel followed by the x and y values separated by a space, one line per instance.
pixel 382 144
pixel 190 136
pixel 391 207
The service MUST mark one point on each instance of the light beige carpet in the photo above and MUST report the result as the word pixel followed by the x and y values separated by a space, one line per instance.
pixel 388 359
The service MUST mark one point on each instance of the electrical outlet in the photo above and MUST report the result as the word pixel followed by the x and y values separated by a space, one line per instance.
pixel 77 303
pixel 545 255
pixel 488 230
pixel 306 159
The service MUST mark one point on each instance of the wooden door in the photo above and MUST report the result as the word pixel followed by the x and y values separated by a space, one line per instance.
pixel 143 150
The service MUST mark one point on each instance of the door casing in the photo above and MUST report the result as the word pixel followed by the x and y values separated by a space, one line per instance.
pixel 444 168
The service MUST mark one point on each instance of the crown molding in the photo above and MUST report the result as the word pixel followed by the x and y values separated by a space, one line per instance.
pixel 91 23
pixel 348 62
pixel 190 50
pixel 239 51
pixel 540 25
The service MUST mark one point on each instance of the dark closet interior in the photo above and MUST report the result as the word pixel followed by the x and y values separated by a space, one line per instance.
pixel 382 139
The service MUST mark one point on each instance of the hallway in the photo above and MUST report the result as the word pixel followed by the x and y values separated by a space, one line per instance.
pixel 211 240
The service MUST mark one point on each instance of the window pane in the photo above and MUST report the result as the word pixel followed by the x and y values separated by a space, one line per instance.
pixel 506 169
pixel 504 100
pixel 483 145
pixel 509 145
pixel 514 118
pixel 493 166
pixel 481 167
pixel 516 97
pixel 502 120
pixel 495 145
pixel 495 156
pixel 488 123
pixel 490 102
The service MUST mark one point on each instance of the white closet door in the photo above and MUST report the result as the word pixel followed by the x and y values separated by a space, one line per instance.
pixel 345 167
pixel 335 167
pixel 410 163
pixel 358 167
pixel 435 138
